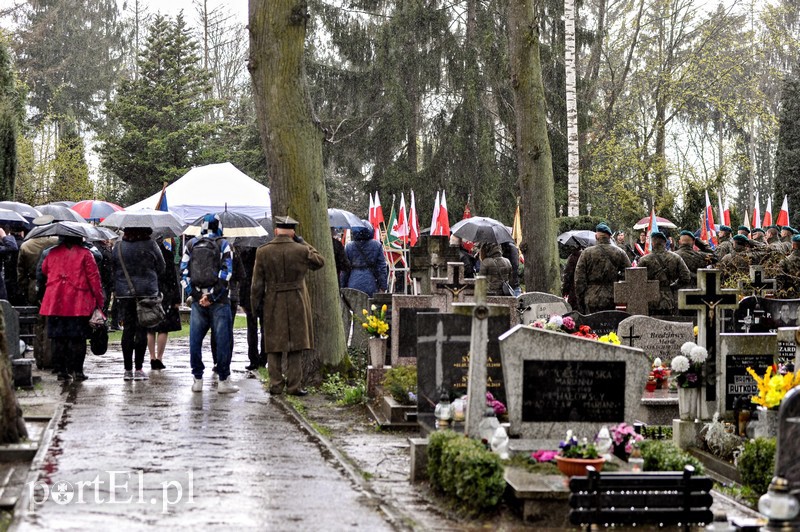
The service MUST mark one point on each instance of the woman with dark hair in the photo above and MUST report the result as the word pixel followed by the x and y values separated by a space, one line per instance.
pixel 137 263
pixel 170 289
pixel 72 292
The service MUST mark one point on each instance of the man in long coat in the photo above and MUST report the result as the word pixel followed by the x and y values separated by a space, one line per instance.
pixel 598 268
pixel 279 285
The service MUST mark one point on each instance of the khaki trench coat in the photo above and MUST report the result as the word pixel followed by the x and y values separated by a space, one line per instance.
pixel 279 286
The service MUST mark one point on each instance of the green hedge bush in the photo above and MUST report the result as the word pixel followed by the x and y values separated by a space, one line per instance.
pixel 660 455
pixel 577 223
pixel 756 464
pixel 465 470
pixel 399 381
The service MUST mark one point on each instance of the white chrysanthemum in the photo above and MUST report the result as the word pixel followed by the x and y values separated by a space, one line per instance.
pixel 698 354
pixel 680 364
pixel 556 320
pixel 686 348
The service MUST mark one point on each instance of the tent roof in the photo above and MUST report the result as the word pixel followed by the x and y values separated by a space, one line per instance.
pixel 212 188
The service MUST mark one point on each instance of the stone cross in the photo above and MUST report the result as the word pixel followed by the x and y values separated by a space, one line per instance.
pixel 630 337
pixel 708 299
pixel 636 292
pixel 759 285
pixel 439 339
pixel 453 287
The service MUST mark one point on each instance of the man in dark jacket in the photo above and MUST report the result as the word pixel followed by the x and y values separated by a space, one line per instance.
pixel 279 287
pixel 511 252
pixel 254 316
pixel 340 256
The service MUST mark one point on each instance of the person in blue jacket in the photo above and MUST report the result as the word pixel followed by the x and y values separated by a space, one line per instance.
pixel 368 269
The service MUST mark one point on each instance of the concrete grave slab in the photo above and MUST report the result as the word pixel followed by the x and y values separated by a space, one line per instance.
pixel 601 322
pixel 352 303
pixel 404 325
pixel 737 353
pixel 787 456
pixel 657 338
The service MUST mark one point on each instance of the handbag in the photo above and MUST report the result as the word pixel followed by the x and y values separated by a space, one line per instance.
pixel 98 319
pixel 98 340
pixel 149 312
pixel 507 290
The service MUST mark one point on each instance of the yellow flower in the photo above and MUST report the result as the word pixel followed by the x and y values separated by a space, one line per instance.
pixel 364 312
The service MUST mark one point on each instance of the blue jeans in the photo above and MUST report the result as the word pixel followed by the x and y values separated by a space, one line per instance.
pixel 217 316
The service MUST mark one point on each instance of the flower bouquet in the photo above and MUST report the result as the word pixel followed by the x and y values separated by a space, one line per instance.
pixel 688 366
pixel 375 322
pixel 555 323
pixel 624 438
pixel 773 387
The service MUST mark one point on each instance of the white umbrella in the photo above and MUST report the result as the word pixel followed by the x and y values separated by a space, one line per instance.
pixel 162 221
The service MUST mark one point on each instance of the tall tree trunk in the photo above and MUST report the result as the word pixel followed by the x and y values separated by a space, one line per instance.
pixel 573 153
pixel 534 159
pixel 12 424
pixel 293 146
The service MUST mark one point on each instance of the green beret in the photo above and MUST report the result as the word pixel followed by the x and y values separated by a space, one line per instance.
pixel 603 228
pixel 758 230
pixel 741 239
pixel 725 228
pixel 658 234
pixel 790 229
pixel 687 233
pixel 774 227
pixel 796 238
pixel 744 228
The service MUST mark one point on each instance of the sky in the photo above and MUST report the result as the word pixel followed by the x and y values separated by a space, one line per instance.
pixel 173 7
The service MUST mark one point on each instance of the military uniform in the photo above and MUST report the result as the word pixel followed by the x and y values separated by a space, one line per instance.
pixel 789 276
pixel 725 247
pixel 695 260
pixel 598 268
pixel 735 264
pixel 670 271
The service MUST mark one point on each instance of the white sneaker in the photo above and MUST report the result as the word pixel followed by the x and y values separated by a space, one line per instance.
pixel 197 385
pixel 139 375
pixel 227 386
pixel 214 378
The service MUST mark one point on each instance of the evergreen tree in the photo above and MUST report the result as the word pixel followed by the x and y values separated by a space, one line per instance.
pixel 11 114
pixel 159 124
pixel 787 173
pixel 70 172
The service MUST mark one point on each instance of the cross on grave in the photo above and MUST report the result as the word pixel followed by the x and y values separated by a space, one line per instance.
pixel 630 337
pixel 747 321
pixel 758 283
pixel 451 284
pixel 636 292
pixel 707 299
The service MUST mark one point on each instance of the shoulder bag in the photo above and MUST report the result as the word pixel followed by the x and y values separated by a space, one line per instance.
pixel 149 311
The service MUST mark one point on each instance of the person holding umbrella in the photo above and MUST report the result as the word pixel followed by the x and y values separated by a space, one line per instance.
pixel 495 267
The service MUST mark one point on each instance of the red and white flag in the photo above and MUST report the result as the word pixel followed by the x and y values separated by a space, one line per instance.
pixel 435 217
pixel 443 219
pixel 783 216
pixel 710 222
pixel 727 213
pixel 400 230
pixel 371 216
pixel 413 223
pixel 767 218
pixel 721 211
pixel 756 213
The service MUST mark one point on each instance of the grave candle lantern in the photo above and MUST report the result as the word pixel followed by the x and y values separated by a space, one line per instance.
pixel 443 412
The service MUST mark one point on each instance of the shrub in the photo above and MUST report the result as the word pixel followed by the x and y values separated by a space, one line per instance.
pixel 333 386
pixel 586 223
pixel 465 470
pixel 399 381
pixel 756 464
pixel 660 455
pixel 354 395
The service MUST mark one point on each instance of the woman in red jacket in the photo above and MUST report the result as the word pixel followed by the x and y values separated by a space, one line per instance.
pixel 72 292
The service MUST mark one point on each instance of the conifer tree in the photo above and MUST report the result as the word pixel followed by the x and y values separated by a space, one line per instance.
pixel 787 174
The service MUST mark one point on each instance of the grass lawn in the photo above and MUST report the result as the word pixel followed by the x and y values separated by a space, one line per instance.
pixel 239 322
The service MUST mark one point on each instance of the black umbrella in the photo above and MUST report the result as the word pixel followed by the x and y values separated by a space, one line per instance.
pixel 165 223
pixel 80 229
pixel 234 224
pixel 60 213
pixel 342 218
pixel 577 239
pixel 255 241
pixel 482 229
pixel 8 216
pixel 27 212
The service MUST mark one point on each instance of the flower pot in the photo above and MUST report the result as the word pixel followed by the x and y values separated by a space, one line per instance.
pixel 689 403
pixel 377 352
pixel 576 467
pixel 767 423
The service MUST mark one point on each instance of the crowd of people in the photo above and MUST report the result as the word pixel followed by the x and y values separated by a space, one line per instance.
pixel 590 272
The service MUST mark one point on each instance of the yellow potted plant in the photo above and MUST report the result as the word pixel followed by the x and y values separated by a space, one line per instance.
pixel 377 327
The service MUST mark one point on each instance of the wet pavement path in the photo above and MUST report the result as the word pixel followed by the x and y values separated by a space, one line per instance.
pixel 131 455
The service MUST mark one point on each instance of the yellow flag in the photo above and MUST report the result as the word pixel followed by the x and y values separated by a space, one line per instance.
pixel 516 229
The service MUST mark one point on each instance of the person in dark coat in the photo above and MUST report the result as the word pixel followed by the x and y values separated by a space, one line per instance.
pixel 495 267
pixel 8 247
pixel 469 260
pixel 144 264
pixel 340 256
pixel 15 292
pixel 511 252
pixel 279 287
pixel 170 290
pixel 568 280
pixel 368 269
pixel 255 349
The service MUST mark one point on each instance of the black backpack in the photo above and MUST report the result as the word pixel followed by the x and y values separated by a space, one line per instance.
pixel 205 263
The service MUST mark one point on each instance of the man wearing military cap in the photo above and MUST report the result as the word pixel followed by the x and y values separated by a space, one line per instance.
pixel 739 260
pixel 279 287
pixel 788 276
pixel 772 237
pixel 725 245
pixel 702 257
pixel 758 235
pixel 669 269
pixel 743 230
pixel 787 233
pixel 598 268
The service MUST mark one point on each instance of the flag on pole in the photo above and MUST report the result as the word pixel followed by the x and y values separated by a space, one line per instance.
pixel 756 213
pixel 783 216
pixel 443 220
pixel 703 228
pixel 162 199
pixel 467 211
pixel 712 237
pixel 413 223
pixel 516 229
pixel 727 213
pixel 766 219
pixel 746 221
pixel 435 217
pixel 721 209
pixel 400 227
pixel 652 225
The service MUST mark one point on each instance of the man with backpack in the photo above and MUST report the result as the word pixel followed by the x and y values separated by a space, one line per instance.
pixel 206 270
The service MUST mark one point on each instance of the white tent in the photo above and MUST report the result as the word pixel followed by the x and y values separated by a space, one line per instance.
pixel 212 188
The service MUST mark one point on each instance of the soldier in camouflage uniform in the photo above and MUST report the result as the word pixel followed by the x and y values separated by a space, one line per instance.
pixel 789 272
pixel 757 235
pixel 737 263
pixel 703 257
pixel 786 239
pixel 772 237
pixel 725 245
pixel 669 270
pixel 598 268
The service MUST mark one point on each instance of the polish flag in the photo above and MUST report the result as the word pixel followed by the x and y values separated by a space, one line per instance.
pixel 413 223
pixel 783 216
pixel 710 221
pixel 442 219
pixel 401 229
pixel 652 225
pixel 767 220
pixel 727 213
pixel 721 211
pixel 371 216
pixel 435 217
pixel 746 221
pixel 756 213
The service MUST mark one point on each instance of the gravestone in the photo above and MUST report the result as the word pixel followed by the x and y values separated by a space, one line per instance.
pixel 404 326
pixel 758 286
pixel 12 329
pixel 757 314
pixel 453 288
pixel 353 302
pixel 787 455
pixel 657 338
pixel 532 306
pixel 556 382
pixel 443 347
pixel 428 258
pixel 737 353
pixel 787 346
pixel 602 322
pixel 636 292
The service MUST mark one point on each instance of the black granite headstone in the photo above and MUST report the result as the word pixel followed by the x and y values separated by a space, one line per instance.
pixel 739 383
pixel 443 344
pixel 758 314
pixel 567 390
pixel 407 330
pixel 601 323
